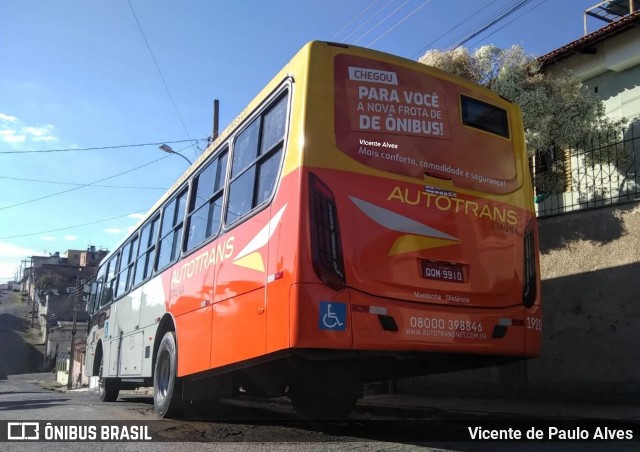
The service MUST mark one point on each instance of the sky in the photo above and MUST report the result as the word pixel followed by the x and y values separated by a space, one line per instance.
pixel 90 89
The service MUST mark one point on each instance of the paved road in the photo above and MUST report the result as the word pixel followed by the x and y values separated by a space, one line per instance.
pixel 232 426
pixel 18 356
pixel 237 425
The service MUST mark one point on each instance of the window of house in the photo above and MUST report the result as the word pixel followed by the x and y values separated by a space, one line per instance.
pixel 257 153
pixel 205 205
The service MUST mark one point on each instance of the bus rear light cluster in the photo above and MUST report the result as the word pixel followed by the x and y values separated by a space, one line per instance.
pixel 326 247
pixel 529 290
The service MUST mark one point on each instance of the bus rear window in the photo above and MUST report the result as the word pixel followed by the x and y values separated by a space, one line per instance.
pixel 484 116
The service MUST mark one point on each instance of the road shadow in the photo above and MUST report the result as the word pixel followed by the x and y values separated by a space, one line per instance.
pixel 272 420
pixel 35 404
pixel 17 355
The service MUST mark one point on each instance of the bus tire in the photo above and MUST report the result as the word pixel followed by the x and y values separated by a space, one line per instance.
pixel 317 398
pixel 167 397
pixel 107 387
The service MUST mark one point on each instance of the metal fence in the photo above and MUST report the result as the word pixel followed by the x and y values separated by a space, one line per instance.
pixel 596 173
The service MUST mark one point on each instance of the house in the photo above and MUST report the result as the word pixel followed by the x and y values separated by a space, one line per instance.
pixel 607 61
pixel 54 282
pixel 56 322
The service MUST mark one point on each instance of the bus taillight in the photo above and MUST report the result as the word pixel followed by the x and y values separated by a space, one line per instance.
pixel 529 291
pixel 326 247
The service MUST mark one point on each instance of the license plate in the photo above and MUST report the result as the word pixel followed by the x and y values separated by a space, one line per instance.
pixel 442 271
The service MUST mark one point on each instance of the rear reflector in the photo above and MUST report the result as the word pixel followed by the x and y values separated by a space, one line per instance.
pixel 326 247
pixel 529 290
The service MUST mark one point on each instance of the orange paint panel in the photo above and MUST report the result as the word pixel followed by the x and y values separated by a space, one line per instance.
pixel 281 268
pixel 193 332
pixel 189 283
pixel 238 328
pixel 306 317
pixel 534 328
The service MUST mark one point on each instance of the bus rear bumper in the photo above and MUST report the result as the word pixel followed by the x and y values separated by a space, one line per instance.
pixel 350 319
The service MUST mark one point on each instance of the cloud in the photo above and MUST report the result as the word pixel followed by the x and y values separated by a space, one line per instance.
pixel 136 216
pixel 9 250
pixel 14 131
pixel 48 238
pixel 11 136
pixel 44 133
pixel 11 257
pixel 113 231
pixel 7 118
pixel 71 237
pixel 7 272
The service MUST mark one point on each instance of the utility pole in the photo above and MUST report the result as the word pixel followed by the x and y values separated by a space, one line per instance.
pixel 23 282
pixel 73 330
pixel 35 291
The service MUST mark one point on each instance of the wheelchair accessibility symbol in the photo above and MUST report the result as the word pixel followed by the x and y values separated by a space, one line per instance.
pixel 333 316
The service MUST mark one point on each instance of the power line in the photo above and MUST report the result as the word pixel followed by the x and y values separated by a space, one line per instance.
pixel 71 227
pixel 77 184
pixel 515 18
pixel 464 21
pixel 367 21
pixel 83 185
pixel 100 148
pixel 354 19
pixel 380 22
pixel 398 23
pixel 493 22
pixel 164 82
pixel 90 183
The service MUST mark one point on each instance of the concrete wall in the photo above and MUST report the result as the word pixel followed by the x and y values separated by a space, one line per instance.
pixel 591 326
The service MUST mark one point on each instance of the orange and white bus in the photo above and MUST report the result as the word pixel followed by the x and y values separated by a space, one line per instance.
pixel 365 218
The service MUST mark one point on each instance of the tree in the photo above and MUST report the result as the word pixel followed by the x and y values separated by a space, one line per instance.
pixel 51 280
pixel 557 112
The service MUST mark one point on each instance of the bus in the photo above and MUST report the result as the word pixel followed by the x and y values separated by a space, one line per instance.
pixel 365 218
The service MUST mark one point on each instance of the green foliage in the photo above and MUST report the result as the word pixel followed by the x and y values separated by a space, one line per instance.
pixel 557 112
pixel 50 280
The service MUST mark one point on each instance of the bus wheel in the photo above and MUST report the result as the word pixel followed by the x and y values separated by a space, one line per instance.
pixel 167 399
pixel 107 387
pixel 323 397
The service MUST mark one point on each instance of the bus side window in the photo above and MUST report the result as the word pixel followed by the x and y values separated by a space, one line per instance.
pixel 110 282
pixel 126 265
pixel 146 251
pixel 256 160
pixel 169 247
pixel 92 297
pixel 205 206
pixel 98 295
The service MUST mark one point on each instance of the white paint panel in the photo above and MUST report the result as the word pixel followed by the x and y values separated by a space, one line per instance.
pixel 132 353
